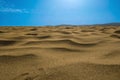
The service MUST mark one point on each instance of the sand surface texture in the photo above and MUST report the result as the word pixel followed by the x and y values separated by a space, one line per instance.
pixel 60 53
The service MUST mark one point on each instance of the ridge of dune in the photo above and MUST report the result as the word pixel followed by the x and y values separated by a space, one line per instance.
pixel 57 42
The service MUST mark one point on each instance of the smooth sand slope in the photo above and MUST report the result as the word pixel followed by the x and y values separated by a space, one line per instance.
pixel 60 53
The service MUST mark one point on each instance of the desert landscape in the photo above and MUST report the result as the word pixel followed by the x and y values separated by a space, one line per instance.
pixel 60 53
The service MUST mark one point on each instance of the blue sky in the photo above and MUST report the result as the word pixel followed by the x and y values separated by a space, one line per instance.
pixel 56 12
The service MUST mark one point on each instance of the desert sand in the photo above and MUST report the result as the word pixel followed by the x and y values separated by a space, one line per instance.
pixel 60 53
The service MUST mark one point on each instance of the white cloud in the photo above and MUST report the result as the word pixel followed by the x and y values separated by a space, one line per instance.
pixel 6 7
pixel 13 10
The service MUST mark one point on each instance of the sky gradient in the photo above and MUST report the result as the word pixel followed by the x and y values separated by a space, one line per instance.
pixel 57 12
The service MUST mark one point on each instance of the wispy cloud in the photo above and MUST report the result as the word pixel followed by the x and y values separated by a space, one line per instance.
pixel 6 7
pixel 13 10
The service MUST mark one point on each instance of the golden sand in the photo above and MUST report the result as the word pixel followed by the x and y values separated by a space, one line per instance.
pixel 60 53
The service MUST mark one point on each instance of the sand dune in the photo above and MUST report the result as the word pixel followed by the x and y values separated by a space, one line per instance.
pixel 60 53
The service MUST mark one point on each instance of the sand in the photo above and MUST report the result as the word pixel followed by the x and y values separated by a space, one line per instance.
pixel 60 53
